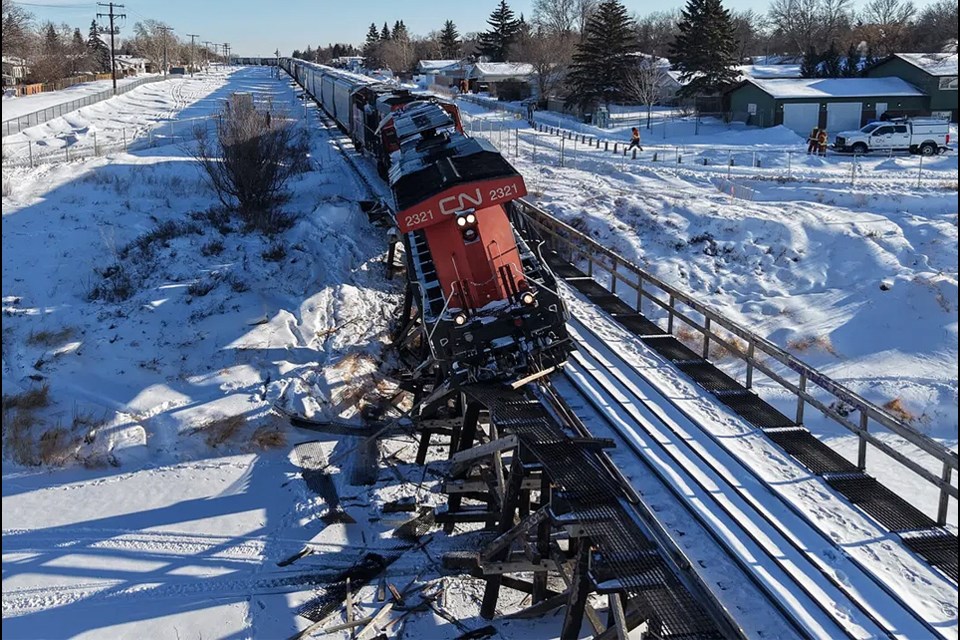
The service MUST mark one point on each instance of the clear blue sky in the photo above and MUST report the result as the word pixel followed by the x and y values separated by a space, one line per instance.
pixel 258 27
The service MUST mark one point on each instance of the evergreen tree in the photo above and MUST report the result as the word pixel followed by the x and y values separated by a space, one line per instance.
pixel 97 50
pixel 400 31
pixel 810 65
pixel 308 53
pixel 851 65
pixel 296 53
pixel 371 48
pixel 77 53
pixel 832 65
pixel 449 41
pixel 495 43
pixel 51 41
pixel 604 57
pixel 385 32
pixel 868 61
pixel 705 49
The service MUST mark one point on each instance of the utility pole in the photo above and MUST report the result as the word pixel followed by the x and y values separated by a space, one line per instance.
pixel 164 31
pixel 206 50
pixel 193 37
pixel 113 33
pixel 226 53
pixel 277 54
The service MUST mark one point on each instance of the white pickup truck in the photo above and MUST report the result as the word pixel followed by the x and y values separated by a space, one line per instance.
pixel 926 136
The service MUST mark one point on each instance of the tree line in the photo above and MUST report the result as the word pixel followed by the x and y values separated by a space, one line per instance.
pixel 53 52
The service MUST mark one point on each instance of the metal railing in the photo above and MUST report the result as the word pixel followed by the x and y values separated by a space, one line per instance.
pixel 32 119
pixel 756 353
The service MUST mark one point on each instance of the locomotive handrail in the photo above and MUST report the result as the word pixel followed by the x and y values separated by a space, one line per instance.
pixel 589 249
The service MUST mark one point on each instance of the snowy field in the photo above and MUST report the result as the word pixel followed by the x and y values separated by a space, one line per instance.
pixel 14 107
pixel 146 339
pixel 858 280
pixel 154 114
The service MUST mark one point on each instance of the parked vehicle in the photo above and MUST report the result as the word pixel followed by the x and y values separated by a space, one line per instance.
pixel 926 136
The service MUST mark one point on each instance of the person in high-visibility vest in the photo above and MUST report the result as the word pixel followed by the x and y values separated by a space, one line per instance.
pixel 822 141
pixel 812 144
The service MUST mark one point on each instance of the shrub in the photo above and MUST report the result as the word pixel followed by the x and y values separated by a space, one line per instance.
pixel 116 286
pixel 212 248
pixel 275 253
pixel 250 160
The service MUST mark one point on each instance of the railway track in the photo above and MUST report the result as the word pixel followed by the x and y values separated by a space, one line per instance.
pixel 811 580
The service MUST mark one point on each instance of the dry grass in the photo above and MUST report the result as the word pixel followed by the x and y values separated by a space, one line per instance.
pixel 896 409
pixel 48 338
pixel 269 437
pixel 18 441
pixel 29 400
pixel 808 343
pixel 57 446
pixel 221 430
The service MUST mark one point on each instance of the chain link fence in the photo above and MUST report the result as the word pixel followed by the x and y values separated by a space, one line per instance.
pixel 18 124
pixel 32 153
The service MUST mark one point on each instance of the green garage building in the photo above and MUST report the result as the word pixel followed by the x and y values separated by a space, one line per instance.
pixel 839 104
pixel 933 73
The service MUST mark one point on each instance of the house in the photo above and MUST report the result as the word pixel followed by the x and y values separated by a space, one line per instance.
pixel 838 104
pixel 132 65
pixel 434 67
pixel 15 69
pixel 496 76
pixel 934 73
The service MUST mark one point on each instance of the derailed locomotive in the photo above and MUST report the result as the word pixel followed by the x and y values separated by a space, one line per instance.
pixel 486 304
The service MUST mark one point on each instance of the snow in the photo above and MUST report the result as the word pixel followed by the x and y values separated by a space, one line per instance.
pixel 936 64
pixel 768 71
pixel 14 107
pixel 796 254
pixel 483 70
pixel 836 87
pixel 435 65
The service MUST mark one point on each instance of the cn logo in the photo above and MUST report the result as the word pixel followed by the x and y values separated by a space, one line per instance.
pixel 460 202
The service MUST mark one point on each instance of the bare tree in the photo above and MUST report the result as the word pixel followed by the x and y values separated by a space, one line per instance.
pixel 584 9
pixel 150 38
pixel 892 21
pixel 556 17
pixel 935 29
pixel 646 83
pixel 749 27
pixel 803 24
pixel 655 31
pixel 250 160
pixel 550 54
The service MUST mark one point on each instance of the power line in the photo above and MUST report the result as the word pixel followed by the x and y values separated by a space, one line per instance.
pixel 113 33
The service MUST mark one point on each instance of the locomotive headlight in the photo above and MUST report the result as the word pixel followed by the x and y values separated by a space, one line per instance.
pixel 528 299
pixel 471 219
pixel 460 319
pixel 461 221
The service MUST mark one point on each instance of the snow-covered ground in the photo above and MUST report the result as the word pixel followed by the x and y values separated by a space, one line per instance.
pixel 14 107
pixel 858 280
pixel 154 114
pixel 146 339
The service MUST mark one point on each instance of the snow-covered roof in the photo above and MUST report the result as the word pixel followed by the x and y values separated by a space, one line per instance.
pixel 501 69
pixel 936 64
pixel 769 71
pixel 435 65
pixel 836 87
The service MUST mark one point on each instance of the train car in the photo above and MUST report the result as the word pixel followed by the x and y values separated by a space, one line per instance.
pixel 487 303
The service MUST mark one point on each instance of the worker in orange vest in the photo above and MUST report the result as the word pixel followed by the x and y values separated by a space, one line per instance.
pixel 812 144
pixel 822 139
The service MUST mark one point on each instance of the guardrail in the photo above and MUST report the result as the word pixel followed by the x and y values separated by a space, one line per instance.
pixel 605 266
pixel 32 119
